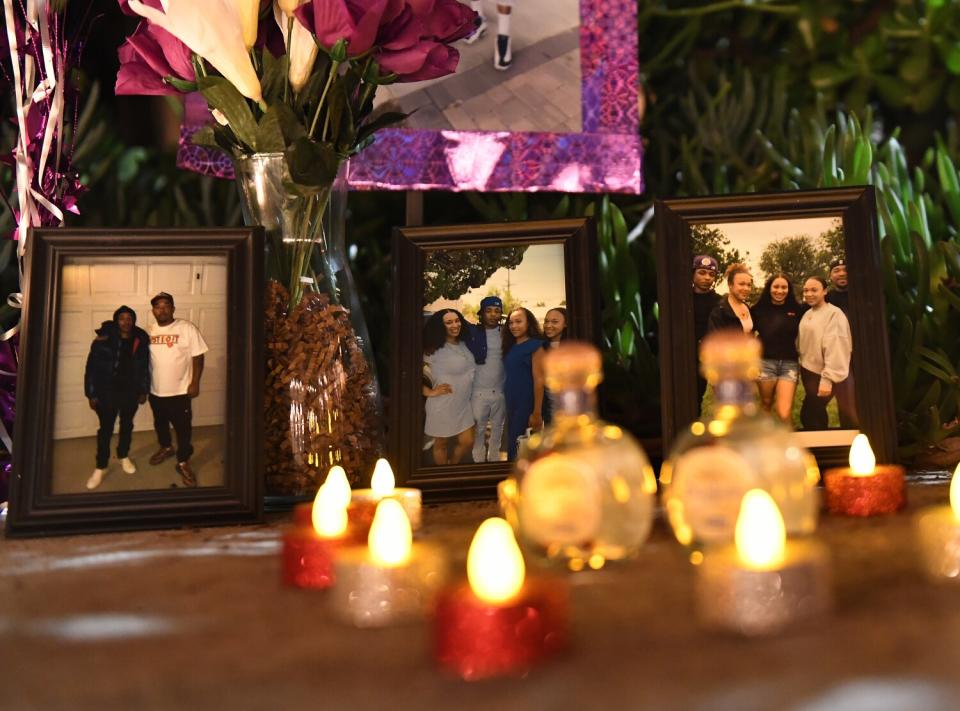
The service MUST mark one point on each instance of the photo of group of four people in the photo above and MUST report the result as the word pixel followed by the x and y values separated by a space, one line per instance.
pixel 800 314
pixel 483 380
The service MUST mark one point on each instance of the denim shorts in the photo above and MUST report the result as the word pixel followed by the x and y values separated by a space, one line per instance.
pixel 779 370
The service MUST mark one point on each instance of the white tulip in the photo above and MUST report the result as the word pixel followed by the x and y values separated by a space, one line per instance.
pixel 301 46
pixel 288 6
pixel 249 12
pixel 213 30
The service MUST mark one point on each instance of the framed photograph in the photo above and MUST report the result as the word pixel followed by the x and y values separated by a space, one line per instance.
pixel 801 272
pixel 475 308
pixel 141 380
pixel 561 115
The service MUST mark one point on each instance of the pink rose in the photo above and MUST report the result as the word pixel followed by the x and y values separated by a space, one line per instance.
pixel 356 21
pixel 426 60
pixel 150 54
pixel 446 20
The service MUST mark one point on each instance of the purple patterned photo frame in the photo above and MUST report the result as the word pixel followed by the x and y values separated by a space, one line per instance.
pixel 604 157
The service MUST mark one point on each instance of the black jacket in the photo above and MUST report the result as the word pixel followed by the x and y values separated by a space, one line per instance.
pixel 104 358
pixel 722 317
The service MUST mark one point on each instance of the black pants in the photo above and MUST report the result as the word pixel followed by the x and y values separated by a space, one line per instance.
pixel 176 411
pixel 813 411
pixel 125 404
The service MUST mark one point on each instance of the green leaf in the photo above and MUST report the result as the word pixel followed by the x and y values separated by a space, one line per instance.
pixel 205 137
pixel 312 164
pixel 290 125
pixel 187 87
pixel 223 95
pixel 384 120
pixel 274 79
pixel 269 133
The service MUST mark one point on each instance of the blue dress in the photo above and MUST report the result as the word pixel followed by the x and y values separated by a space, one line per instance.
pixel 518 390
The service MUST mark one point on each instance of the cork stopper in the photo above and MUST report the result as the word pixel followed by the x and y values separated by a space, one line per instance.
pixel 573 365
pixel 730 355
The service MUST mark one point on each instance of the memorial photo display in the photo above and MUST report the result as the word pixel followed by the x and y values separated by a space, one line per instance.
pixel 140 363
pixel 490 302
pixel 801 273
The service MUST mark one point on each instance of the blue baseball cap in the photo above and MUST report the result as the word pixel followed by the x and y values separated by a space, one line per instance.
pixel 491 301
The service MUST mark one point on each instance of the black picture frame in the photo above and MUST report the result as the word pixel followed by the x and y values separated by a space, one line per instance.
pixel 856 208
pixel 410 244
pixel 34 509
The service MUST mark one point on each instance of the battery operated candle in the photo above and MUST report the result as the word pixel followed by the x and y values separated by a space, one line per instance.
pixel 390 580
pixel 309 545
pixel 763 583
pixel 938 529
pixel 499 621
pixel 363 502
pixel 865 488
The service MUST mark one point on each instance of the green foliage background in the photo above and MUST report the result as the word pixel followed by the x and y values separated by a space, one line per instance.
pixel 737 96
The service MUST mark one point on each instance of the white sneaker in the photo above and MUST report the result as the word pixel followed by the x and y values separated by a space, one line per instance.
pixel 94 481
pixel 477 33
pixel 128 466
pixel 502 55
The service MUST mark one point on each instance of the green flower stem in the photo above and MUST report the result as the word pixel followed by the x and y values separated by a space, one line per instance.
pixel 334 68
pixel 286 84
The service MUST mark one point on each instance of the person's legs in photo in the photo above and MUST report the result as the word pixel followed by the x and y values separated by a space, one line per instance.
pixel 181 417
pixel 440 452
pixel 481 403
pixel 813 411
pixel 128 408
pixel 161 425
pixel 786 389
pixel 847 404
pixel 503 50
pixel 463 445
pixel 107 415
pixel 498 416
pixel 481 22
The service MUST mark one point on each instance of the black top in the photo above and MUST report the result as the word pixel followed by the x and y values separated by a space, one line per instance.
pixel 117 364
pixel 777 325
pixel 703 304
pixel 840 299
pixel 722 317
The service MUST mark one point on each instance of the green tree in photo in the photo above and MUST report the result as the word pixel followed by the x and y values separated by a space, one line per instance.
pixel 798 257
pixel 831 243
pixel 450 273
pixel 712 241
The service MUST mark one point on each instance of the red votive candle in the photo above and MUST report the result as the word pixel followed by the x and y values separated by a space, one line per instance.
pixel 864 488
pixel 478 640
pixel 308 554
pixel 498 623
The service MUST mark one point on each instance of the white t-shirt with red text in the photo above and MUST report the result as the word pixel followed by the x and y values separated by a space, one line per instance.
pixel 172 350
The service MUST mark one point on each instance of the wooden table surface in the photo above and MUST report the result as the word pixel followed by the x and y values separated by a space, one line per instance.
pixel 198 619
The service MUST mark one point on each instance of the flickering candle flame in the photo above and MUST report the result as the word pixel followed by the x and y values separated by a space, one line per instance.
pixel 329 514
pixel 760 534
pixel 955 493
pixel 339 487
pixel 390 535
pixel 862 460
pixel 495 565
pixel 382 481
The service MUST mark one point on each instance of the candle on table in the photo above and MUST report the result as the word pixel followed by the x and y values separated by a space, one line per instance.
pixel 762 583
pixel 865 488
pixel 938 529
pixel 391 580
pixel 363 502
pixel 309 545
pixel 499 622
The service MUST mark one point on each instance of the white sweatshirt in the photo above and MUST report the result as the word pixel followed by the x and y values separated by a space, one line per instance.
pixel 824 343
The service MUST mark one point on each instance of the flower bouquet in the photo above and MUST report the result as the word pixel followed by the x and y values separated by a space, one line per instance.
pixel 290 85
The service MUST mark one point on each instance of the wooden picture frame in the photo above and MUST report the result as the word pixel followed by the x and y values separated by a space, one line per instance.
pixel 411 245
pixel 232 273
pixel 855 209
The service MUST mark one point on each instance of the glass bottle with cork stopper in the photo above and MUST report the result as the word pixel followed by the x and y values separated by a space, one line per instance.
pixel 582 491
pixel 718 459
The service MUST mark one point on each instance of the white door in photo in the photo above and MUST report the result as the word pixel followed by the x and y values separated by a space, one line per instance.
pixel 94 288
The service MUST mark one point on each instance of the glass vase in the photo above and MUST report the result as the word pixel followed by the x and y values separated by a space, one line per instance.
pixel 322 399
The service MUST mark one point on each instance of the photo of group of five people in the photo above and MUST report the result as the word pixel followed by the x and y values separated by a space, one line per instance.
pixel 806 343
pixel 483 383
